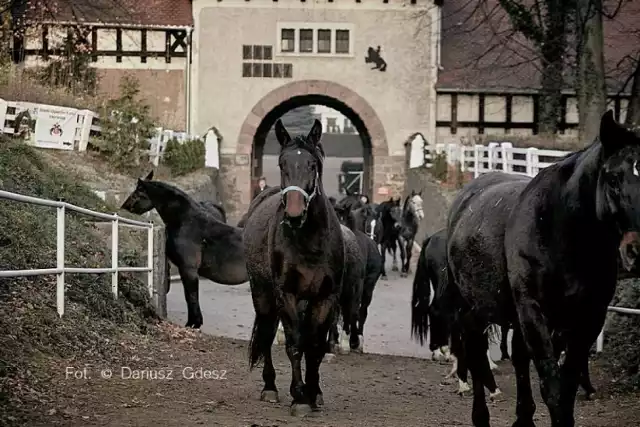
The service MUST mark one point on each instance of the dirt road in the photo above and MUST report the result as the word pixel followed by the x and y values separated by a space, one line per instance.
pixel 359 390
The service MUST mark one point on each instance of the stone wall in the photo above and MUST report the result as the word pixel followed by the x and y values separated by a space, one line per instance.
pixel 235 179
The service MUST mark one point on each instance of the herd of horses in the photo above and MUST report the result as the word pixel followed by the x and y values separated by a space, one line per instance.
pixel 538 255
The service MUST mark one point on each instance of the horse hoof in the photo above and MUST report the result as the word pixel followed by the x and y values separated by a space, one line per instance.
pixel 505 357
pixel 300 409
pixel 320 400
pixel 494 395
pixel 328 357
pixel 463 388
pixel 403 274
pixel 270 396
pixel 360 348
pixel 394 268
pixel 344 347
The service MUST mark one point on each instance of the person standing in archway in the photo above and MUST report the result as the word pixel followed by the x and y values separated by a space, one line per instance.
pixel 262 185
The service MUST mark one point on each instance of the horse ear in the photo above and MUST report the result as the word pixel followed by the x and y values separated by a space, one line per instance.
pixel 281 133
pixel 315 133
pixel 149 176
pixel 612 135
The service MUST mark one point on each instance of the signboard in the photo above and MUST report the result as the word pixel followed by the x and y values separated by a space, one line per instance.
pixel 55 127
pixel 383 191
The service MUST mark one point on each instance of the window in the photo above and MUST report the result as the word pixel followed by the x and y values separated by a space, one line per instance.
pixel 342 41
pixel 257 52
pixel 267 51
pixel 306 41
pixel 257 70
pixel 324 41
pixel 277 70
pixel 287 39
pixel 287 71
pixel 266 70
pixel 246 52
pixel 246 69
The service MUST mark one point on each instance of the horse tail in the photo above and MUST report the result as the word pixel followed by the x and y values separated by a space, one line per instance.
pixel 420 298
pixel 264 330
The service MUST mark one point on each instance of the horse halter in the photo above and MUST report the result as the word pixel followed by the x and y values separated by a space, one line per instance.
pixel 307 199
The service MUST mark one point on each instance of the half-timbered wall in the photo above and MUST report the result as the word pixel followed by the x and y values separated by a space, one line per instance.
pixel 468 114
pixel 157 57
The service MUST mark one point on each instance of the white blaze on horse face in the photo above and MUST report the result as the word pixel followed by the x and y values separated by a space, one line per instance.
pixel 635 168
pixel 417 206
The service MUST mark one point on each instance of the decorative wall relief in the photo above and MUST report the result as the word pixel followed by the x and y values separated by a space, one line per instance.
pixel 373 56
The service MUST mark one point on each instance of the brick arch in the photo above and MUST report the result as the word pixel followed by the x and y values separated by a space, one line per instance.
pixel 346 96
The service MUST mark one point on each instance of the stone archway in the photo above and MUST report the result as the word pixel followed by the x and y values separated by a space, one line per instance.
pixel 384 170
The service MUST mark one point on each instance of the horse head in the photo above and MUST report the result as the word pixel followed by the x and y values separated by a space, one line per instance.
pixel 139 201
pixel 618 187
pixel 300 164
pixel 415 204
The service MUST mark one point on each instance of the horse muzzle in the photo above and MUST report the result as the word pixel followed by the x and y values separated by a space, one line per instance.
pixel 629 249
pixel 296 201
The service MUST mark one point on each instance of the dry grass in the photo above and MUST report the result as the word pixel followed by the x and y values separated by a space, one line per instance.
pixel 17 84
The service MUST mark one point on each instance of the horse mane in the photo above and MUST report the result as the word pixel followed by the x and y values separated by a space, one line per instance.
pixel 177 192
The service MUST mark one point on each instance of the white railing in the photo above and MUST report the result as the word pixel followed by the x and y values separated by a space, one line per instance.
pixel 494 156
pixel 76 127
pixel 61 269
pixel 613 309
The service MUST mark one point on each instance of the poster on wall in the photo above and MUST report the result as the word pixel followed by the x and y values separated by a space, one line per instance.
pixel 55 127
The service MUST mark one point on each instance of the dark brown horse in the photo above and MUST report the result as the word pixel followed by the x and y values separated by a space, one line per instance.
pixel 295 252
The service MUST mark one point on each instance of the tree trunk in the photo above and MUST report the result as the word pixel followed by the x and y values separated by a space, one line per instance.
pixel 590 85
pixel 552 80
pixel 633 108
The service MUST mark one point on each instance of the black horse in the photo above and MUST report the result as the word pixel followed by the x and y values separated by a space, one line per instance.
pixel 412 214
pixel 390 214
pixel 437 318
pixel 356 222
pixel 199 243
pixel 295 252
pixel 542 253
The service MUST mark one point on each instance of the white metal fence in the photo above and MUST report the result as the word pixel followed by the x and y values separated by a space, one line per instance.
pixel 61 269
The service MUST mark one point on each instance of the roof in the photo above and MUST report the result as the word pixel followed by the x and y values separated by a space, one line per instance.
pixel 481 51
pixel 146 13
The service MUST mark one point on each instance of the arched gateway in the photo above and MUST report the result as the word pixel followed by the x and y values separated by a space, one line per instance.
pixel 373 61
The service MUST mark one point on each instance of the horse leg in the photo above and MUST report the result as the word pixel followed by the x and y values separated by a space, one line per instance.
pixel 383 253
pixel 316 328
pixel 460 363
pixel 190 282
pixel 504 349
pixel 291 324
pixel 332 338
pixel 475 350
pixel 525 405
pixel 585 379
pixel 404 257
pixel 393 247
pixel 367 296
pixel 264 331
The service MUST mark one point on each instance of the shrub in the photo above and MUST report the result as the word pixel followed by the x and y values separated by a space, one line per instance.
pixel 184 158
pixel 439 167
pixel 126 128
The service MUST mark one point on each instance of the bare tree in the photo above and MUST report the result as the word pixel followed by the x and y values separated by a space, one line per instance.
pixel 633 108
pixel 590 86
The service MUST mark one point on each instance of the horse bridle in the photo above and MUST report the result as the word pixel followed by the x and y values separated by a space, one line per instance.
pixel 307 198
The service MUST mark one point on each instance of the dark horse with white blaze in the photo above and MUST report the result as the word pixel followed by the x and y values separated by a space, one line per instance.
pixel 412 214
pixel 295 251
pixel 198 241
pixel 542 254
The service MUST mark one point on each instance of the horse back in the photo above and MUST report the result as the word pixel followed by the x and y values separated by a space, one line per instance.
pixel 476 229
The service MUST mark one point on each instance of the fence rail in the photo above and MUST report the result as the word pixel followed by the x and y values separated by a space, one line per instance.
pixel 61 269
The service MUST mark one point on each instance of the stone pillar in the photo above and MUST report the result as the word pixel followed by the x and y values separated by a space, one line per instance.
pixel 160 273
pixel 235 185
pixel 389 172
